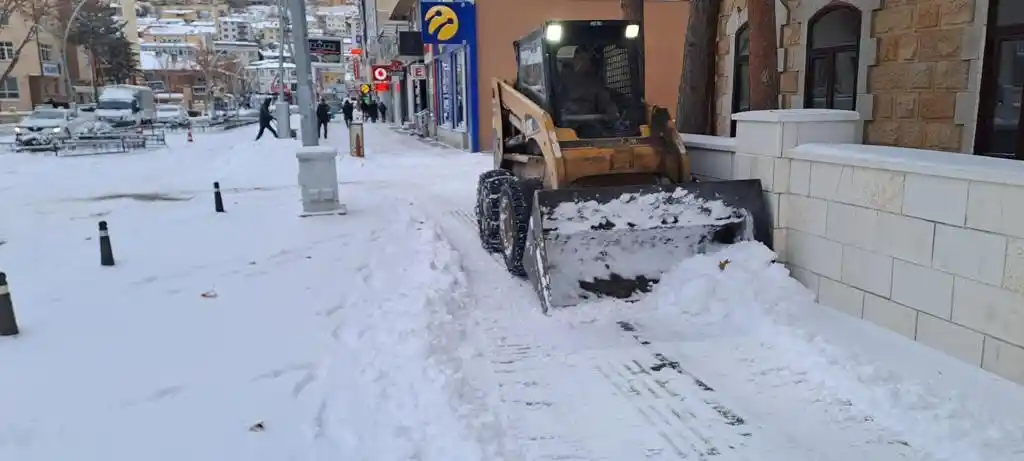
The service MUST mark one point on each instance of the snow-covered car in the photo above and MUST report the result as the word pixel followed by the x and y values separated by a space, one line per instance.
pixel 46 126
pixel 169 114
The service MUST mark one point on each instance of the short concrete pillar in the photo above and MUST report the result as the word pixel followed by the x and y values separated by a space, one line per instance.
pixel 356 139
pixel 762 139
pixel 318 181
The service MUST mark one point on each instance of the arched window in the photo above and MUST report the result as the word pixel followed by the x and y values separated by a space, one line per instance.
pixel 740 77
pixel 832 54
pixel 999 130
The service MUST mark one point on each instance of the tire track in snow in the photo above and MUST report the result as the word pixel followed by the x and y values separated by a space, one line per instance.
pixel 667 424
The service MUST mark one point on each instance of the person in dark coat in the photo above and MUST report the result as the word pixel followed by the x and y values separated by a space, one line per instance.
pixel 323 116
pixel 383 111
pixel 265 118
pixel 346 110
pixel 372 111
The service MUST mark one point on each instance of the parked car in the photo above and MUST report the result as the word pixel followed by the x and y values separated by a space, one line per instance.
pixel 169 114
pixel 45 126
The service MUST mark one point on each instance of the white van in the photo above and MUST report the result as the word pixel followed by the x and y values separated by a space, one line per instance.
pixel 126 105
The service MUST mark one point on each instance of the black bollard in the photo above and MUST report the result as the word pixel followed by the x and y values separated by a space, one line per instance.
pixel 106 251
pixel 8 324
pixel 218 200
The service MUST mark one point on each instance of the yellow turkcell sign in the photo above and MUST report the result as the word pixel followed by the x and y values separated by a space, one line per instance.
pixel 364 88
pixel 442 22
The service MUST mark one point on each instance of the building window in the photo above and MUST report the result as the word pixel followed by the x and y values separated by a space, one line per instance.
pixel 9 88
pixel 45 52
pixel 6 51
pixel 833 42
pixel 741 75
pixel 999 112
pixel 460 89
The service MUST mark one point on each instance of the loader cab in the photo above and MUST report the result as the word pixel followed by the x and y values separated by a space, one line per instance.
pixel 587 74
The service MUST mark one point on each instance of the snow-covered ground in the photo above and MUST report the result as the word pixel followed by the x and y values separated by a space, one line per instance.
pixel 388 334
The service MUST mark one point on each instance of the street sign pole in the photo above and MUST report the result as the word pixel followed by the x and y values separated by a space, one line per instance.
pixel 304 90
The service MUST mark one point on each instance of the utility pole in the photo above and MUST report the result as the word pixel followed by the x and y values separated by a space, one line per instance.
pixel 283 111
pixel 304 87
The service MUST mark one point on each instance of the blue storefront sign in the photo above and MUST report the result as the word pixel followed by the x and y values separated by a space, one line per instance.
pixel 448 23
pixel 451 26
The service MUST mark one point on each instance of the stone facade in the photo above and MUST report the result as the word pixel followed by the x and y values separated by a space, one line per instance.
pixel 920 67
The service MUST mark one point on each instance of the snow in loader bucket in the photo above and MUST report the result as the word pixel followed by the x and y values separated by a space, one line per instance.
pixel 618 241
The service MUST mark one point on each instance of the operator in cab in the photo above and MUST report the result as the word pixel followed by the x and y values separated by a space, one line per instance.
pixel 583 92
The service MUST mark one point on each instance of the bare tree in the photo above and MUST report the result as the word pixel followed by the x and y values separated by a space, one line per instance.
pixel 33 14
pixel 764 59
pixel 217 67
pixel 697 79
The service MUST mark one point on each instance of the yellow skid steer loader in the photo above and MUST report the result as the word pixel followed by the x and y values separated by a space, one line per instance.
pixel 591 192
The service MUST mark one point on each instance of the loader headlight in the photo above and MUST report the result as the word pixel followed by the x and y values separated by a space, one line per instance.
pixel 633 31
pixel 553 33
pixel 56 130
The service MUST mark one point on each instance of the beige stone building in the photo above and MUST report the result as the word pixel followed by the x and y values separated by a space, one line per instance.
pixel 39 73
pixel 936 74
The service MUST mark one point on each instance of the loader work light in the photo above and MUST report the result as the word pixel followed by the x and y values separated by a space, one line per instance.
pixel 553 33
pixel 632 31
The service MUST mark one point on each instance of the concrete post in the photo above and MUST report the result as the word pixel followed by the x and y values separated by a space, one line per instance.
pixel 356 140
pixel 318 181
pixel 303 74
pixel 764 136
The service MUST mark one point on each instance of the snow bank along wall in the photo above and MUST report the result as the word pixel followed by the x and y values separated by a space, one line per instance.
pixel 927 244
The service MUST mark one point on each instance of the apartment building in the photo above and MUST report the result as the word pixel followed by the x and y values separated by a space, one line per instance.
pixel 235 29
pixel 39 73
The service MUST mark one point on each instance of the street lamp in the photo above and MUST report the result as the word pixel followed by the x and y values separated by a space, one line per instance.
pixel 64 46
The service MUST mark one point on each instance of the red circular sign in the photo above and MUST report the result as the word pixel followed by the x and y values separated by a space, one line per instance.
pixel 380 73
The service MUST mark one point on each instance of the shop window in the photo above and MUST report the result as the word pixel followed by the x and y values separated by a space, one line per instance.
pixel 832 55
pixel 460 89
pixel 445 71
pixel 741 75
pixel 999 129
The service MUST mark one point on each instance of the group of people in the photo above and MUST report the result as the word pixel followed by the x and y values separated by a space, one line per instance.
pixel 372 110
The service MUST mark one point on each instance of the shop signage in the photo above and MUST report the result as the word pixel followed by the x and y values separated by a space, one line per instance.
pixel 447 22
pixel 418 71
pixel 364 88
pixel 381 87
pixel 381 73
pixel 51 69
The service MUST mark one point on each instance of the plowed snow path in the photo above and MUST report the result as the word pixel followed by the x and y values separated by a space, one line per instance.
pixel 609 382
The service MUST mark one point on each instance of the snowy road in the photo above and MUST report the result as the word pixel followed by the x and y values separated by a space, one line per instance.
pixel 389 334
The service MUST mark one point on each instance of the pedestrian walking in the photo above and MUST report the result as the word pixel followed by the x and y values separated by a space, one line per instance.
pixel 265 119
pixel 372 108
pixel 383 111
pixel 323 116
pixel 346 111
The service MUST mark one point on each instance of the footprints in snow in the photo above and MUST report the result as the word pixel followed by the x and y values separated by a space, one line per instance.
pixel 310 374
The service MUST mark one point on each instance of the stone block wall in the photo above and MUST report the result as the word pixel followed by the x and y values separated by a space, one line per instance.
pixel 927 244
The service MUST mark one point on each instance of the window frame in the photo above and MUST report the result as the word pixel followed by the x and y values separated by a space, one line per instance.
pixel 994 36
pixel 8 94
pixel 739 77
pixel 829 54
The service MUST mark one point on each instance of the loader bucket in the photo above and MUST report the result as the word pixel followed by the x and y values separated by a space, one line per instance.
pixel 617 241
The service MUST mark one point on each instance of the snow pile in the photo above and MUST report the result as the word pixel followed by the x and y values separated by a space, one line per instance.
pixel 635 236
pixel 932 401
pixel 406 360
pixel 642 211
